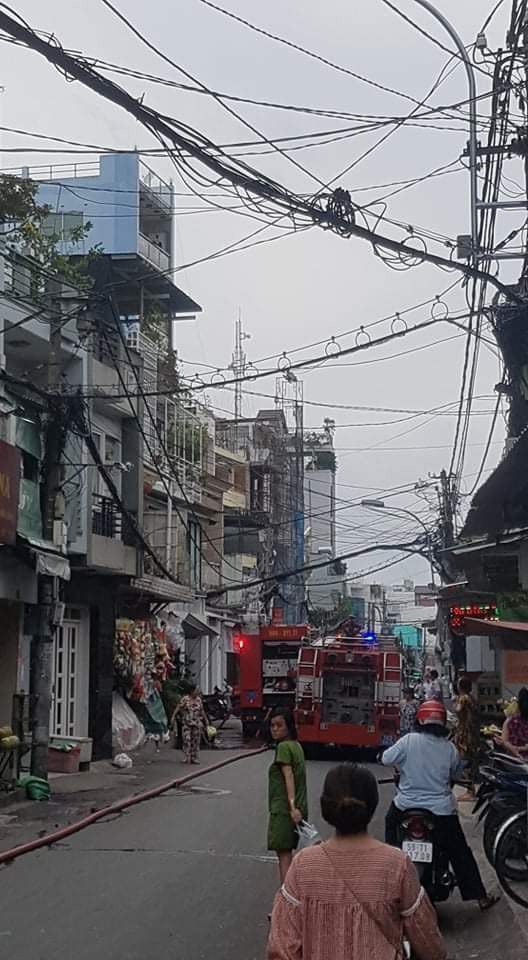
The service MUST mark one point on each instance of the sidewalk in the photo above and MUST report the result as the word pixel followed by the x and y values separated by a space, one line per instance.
pixel 73 796
pixel 508 921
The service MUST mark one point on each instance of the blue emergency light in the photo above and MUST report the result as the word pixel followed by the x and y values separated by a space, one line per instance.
pixel 369 636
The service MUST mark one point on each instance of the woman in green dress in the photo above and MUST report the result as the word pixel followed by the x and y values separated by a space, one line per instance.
pixel 288 803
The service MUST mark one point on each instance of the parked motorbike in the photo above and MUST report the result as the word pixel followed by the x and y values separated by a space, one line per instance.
pixel 501 794
pixel 217 706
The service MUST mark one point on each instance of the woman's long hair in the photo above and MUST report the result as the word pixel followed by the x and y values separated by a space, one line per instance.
pixel 289 720
pixel 522 700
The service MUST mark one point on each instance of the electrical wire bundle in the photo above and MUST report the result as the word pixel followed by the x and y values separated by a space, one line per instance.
pixel 504 70
pixel 204 166
pixel 262 194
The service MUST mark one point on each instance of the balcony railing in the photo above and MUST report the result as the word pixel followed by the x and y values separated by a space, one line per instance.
pixel 155 184
pixel 157 256
pixel 107 520
pixel 59 171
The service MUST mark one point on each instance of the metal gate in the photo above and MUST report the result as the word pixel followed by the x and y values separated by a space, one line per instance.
pixel 66 677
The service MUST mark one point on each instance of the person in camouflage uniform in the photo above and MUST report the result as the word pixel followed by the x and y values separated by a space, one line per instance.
pixel 191 711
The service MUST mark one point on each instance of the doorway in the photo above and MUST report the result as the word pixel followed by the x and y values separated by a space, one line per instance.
pixel 70 676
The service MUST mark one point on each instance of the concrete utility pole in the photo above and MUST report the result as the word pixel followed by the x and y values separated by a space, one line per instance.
pixel 447 496
pixel 42 645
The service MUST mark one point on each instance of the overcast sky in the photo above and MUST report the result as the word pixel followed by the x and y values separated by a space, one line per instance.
pixel 313 285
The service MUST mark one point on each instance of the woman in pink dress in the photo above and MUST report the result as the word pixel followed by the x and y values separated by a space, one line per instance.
pixel 352 897
pixel 515 729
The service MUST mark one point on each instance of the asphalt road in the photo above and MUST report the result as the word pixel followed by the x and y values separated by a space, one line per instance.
pixel 186 876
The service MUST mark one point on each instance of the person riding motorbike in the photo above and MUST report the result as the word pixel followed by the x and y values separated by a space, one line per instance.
pixel 428 763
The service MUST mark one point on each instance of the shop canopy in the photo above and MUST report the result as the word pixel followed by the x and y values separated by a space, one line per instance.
pixel 46 559
pixel 194 627
pixel 488 628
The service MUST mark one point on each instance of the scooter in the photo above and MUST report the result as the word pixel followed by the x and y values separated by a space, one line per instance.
pixel 217 706
pixel 502 793
pixel 416 837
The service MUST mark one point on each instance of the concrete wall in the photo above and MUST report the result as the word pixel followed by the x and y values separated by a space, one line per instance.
pixel 109 200
pixel 10 618
pixel 112 555
pixel 17 581
pixel 319 504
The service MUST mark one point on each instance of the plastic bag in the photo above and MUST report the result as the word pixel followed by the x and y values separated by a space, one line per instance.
pixel 35 787
pixel 308 835
pixel 127 732
pixel 123 761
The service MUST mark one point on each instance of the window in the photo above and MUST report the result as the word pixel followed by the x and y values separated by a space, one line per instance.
pixel 97 480
pixel 195 553
pixel 109 449
pixel 30 467
pixel 112 449
pixel 62 225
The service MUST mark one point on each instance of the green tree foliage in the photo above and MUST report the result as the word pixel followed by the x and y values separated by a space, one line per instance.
pixel 24 222
pixel 324 619
pixel 18 203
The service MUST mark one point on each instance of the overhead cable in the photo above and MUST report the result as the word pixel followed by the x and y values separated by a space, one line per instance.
pixel 331 216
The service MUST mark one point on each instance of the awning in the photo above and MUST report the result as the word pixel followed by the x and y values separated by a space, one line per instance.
pixel 473 546
pixel 487 628
pixel 194 627
pixel 159 589
pixel 47 560
pixel 52 565
pixel 501 503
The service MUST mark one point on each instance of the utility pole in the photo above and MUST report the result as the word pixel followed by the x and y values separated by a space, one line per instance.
pixel 447 495
pixel 42 645
pixel 447 508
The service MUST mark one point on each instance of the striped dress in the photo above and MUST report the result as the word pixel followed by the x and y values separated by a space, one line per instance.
pixel 316 915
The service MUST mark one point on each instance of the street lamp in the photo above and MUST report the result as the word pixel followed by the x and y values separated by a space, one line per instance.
pixel 381 505
pixel 472 144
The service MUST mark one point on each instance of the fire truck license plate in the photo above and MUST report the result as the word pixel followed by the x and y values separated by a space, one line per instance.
pixel 387 740
pixel 418 852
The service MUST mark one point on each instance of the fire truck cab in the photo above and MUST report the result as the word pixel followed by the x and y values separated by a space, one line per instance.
pixel 348 692
pixel 268 671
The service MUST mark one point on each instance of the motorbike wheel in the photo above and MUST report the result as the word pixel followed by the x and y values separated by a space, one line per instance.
pixel 492 825
pixel 511 858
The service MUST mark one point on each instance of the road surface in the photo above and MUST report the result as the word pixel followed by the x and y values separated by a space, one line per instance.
pixel 186 876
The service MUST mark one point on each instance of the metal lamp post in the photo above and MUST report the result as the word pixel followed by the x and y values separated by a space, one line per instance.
pixel 472 144
pixel 381 505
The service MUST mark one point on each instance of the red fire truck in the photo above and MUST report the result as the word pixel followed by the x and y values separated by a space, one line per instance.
pixel 268 670
pixel 348 692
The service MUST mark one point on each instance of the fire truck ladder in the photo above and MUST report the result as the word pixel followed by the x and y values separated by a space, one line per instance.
pixel 388 690
pixel 308 683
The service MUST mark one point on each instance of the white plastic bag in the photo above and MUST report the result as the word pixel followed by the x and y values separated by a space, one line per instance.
pixel 308 835
pixel 127 731
pixel 123 761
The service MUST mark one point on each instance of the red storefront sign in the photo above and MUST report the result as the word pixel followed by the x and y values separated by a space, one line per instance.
pixel 9 491
pixel 477 611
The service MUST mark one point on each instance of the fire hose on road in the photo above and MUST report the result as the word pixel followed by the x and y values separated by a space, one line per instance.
pixel 8 856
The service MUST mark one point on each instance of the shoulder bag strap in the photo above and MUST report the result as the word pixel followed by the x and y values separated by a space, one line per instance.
pixel 397 947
